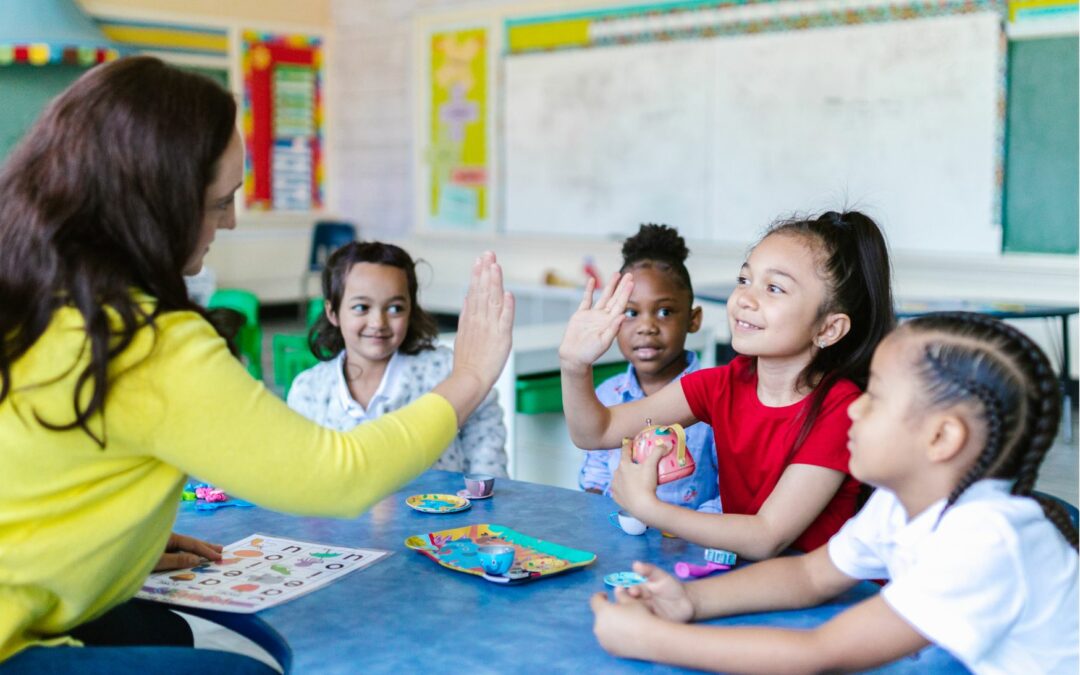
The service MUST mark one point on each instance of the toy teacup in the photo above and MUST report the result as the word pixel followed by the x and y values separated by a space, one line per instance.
pixel 627 523
pixel 677 464
pixel 479 485
pixel 496 560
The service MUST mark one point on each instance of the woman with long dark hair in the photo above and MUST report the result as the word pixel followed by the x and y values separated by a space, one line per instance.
pixel 114 386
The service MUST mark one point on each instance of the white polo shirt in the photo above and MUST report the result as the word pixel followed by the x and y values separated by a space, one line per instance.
pixel 994 582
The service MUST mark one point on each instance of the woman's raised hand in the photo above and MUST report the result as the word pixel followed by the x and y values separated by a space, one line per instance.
pixel 594 325
pixel 482 344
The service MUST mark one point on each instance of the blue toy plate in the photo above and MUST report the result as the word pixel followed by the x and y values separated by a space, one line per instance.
pixel 623 579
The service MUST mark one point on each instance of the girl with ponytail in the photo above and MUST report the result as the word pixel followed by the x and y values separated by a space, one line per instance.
pixel 958 415
pixel 811 303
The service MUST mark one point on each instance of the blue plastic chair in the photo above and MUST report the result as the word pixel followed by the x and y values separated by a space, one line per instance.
pixel 326 236
pixel 1074 514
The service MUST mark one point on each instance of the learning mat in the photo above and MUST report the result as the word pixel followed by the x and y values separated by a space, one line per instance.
pixel 533 558
pixel 255 573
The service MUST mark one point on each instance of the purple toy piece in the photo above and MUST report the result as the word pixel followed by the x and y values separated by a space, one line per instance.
pixel 685 570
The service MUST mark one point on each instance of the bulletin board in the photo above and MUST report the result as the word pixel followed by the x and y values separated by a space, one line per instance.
pixel 458 113
pixel 1042 203
pixel 282 121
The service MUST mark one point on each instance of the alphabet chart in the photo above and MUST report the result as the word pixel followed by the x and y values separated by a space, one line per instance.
pixel 257 572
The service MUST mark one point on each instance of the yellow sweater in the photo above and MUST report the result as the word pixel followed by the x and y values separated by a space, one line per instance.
pixel 82 526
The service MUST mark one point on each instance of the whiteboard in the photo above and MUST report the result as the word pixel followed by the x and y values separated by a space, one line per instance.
pixel 719 137
pixel 599 141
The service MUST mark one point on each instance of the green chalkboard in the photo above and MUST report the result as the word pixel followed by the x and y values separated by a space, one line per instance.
pixel 1042 205
pixel 25 89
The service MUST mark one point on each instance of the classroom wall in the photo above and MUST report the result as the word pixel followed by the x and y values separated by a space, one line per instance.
pixel 373 71
pixel 374 110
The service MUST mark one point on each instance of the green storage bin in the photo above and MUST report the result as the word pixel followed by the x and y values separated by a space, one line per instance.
pixel 542 393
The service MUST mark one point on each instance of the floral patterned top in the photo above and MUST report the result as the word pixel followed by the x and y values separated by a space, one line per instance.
pixel 321 394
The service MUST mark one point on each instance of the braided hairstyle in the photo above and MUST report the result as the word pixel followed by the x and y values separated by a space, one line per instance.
pixel 854 260
pixel 974 358
pixel 659 247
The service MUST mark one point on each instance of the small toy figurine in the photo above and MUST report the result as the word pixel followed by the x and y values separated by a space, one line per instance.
pixel 685 570
pixel 676 464
pixel 203 492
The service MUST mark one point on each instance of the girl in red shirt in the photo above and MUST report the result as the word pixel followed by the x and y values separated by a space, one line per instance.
pixel 812 301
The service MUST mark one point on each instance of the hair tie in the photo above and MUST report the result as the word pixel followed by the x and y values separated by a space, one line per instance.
pixel 834 218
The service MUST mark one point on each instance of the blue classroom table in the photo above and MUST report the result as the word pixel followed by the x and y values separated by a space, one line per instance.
pixel 406 613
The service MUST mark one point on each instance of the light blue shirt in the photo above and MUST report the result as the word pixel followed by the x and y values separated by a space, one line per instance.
pixel 700 490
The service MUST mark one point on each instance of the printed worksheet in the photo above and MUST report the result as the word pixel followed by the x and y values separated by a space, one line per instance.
pixel 257 572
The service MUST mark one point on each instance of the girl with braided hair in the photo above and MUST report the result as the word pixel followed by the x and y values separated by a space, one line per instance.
pixel 957 418
pixel 812 301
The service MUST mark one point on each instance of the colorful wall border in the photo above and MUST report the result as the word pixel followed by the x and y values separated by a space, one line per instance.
pixel 1020 10
pixel 167 37
pixel 697 19
pixel 283 121
pixel 458 116
pixel 43 54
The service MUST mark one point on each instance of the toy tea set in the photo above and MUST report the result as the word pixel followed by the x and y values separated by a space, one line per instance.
pixel 502 555
pixel 677 463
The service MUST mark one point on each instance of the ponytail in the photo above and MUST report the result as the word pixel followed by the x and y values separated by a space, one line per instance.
pixel 856 266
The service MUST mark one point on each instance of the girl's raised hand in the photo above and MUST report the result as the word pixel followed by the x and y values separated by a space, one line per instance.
pixel 594 325
pixel 663 594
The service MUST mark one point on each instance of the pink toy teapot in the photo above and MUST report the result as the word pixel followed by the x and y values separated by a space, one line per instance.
pixel 676 464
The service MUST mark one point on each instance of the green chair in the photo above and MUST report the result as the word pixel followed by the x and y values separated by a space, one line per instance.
pixel 314 310
pixel 249 337
pixel 292 356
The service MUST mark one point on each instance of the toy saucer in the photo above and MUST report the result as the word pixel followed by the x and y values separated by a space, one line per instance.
pixel 465 494
pixel 438 503
pixel 623 579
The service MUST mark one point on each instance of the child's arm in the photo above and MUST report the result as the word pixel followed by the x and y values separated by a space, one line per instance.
pixel 865 636
pixel 588 336
pixel 801 494
pixel 642 623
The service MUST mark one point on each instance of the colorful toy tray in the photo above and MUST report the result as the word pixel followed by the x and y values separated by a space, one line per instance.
pixel 533 558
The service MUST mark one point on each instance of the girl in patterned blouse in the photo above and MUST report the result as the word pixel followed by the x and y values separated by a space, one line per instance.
pixel 378 352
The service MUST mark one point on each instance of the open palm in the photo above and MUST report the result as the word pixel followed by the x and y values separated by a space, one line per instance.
pixel 594 325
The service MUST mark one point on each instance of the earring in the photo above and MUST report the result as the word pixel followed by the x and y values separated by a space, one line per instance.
pixel 822 344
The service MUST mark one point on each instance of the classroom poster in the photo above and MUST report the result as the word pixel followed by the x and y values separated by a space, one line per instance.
pixel 283 121
pixel 458 115
pixel 257 572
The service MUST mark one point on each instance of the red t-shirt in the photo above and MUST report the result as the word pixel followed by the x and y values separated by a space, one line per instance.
pixel 753 442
